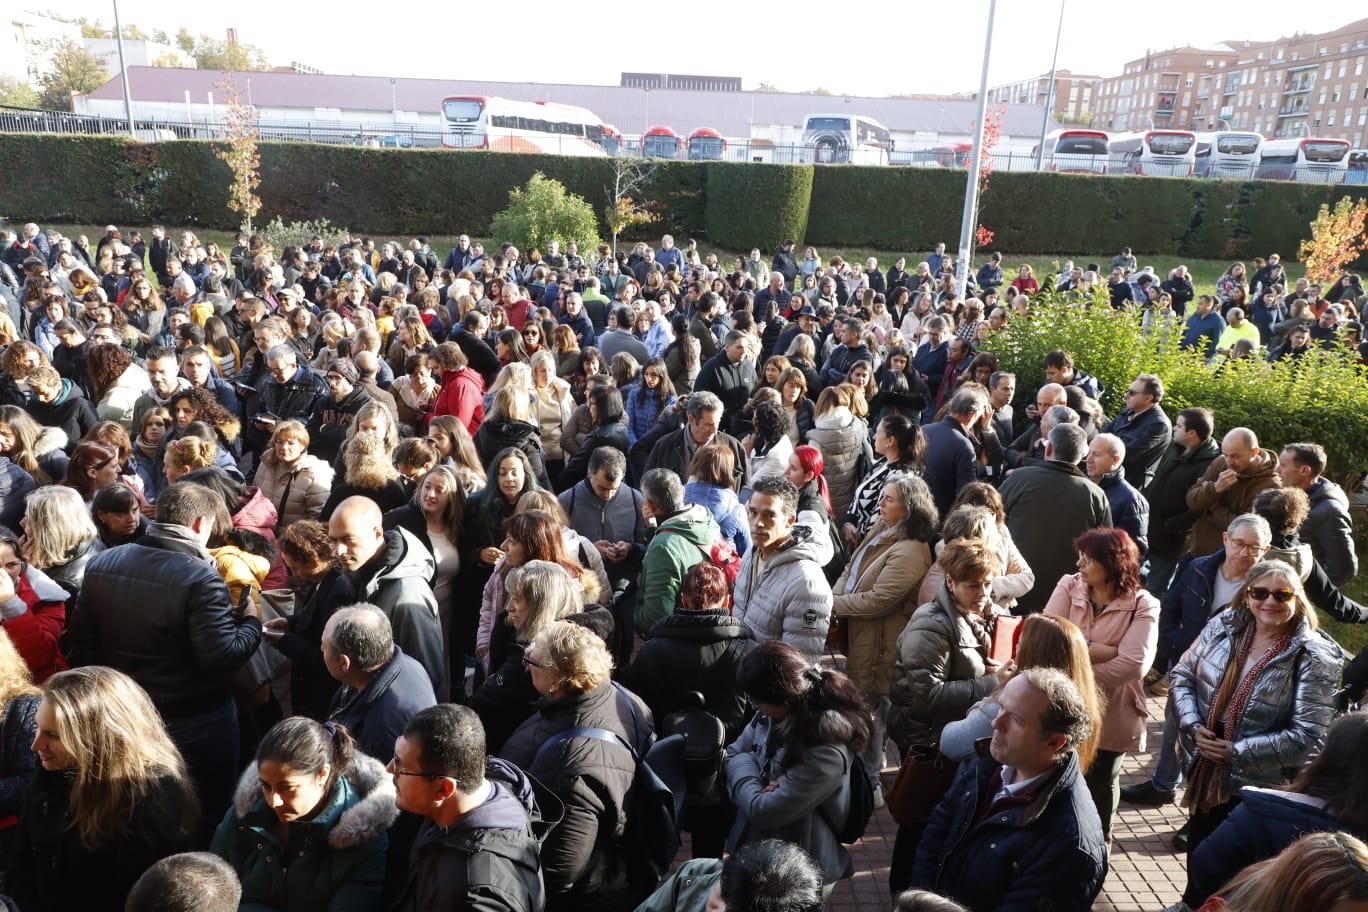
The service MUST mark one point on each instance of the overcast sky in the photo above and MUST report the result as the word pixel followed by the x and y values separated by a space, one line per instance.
pixel 916 51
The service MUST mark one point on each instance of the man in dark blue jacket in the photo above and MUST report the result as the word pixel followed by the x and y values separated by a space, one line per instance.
pixel 1018 829
pixel 1144 428
pixel 479 843
pixel 381 687
pixel 950 458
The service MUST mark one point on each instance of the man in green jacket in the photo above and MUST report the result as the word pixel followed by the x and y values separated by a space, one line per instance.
pixel 684 533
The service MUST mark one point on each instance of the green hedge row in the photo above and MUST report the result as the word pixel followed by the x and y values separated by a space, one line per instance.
pixel 95 179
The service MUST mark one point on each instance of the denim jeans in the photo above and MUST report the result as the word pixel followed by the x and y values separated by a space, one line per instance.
pixel 1168 772
pixel 209 744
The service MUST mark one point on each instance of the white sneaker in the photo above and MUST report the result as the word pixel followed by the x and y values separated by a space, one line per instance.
pixel 878 796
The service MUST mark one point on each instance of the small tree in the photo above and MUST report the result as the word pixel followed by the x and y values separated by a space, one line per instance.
pixel 992 132
pixel 544 211
pixel 72 70
pixel 1337 240
pixel 240 151
pixel 624 209
pixel 16 93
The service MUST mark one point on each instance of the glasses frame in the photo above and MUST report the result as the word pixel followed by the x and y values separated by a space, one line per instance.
pixel 1276 594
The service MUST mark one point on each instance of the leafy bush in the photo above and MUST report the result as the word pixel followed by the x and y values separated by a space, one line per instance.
pixel 545 211
pixel 1320 397
pixel 281 235
pixel 752 205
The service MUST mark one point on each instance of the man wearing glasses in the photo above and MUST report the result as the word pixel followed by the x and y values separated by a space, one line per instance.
pixel 477 847
pixel 334 413
pixel 1143 428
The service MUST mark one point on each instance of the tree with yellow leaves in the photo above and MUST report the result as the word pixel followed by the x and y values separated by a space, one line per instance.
pixel 240 151
pixel 1337 240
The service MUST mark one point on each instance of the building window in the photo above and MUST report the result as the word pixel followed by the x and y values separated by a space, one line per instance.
pixel 1358 67
pixel 1344 65
pixel 1334 95
pixel 1330 119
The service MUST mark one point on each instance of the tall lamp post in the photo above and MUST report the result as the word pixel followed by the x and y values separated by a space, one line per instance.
pixel 1049 92
pixel 969 217
pixel 123 71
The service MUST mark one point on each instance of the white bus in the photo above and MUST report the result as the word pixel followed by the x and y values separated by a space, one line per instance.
pixel 1157 153
pixel 1313 161
pixel 1228 154
pixel 844 139
pixel 1074 151
pixel 504 125
pixel 1358 167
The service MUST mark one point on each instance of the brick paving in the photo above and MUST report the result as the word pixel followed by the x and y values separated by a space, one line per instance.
pixel 1146 874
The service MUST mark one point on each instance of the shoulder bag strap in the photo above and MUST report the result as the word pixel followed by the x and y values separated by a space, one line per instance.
pixel 581 731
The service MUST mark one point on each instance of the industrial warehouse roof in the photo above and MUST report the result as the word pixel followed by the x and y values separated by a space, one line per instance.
pixel 631 110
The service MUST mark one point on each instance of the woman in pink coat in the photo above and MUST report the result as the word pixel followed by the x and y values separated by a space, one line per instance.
pixel 1120 621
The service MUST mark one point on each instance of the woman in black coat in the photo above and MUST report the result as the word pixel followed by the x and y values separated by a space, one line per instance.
pixel 509 424
pixel 606 411
pixel 320 588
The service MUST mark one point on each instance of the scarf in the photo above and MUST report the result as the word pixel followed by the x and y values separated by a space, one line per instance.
pixel 1207 787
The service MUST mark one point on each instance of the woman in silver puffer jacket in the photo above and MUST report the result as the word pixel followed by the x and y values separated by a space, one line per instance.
pixel 1254 695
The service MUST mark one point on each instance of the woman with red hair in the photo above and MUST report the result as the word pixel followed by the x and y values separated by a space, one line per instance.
pixel 805 471
pixel 1120 621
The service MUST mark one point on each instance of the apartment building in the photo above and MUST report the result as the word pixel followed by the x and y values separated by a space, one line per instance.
pixel 1073 95
pixel 1305 85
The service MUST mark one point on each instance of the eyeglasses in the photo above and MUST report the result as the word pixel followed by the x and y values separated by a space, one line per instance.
pixel 1234 544
pixel 1281 596
pixel 529 664
pixel 393 768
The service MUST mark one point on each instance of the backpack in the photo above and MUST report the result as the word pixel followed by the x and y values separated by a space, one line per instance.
pixel 852 829
pixel 722 555
pixel 654 803
pixel 705 743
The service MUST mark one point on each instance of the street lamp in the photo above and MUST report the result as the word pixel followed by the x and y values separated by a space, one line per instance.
pixel 969 217
pixel 123 72
pixel 1049 92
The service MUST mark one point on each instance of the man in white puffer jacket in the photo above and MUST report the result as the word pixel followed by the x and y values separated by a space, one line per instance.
pixel 781 592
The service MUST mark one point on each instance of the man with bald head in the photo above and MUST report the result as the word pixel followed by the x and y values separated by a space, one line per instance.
pixel 1029 447
pixel 392 570
pixel 1130 510
pixel 1228 487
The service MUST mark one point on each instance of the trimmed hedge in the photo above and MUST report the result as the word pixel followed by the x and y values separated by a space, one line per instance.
pixel 751 205
pixel 98 179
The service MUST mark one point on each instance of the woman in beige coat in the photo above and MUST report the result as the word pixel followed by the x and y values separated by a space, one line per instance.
pixel 877 593
pixel 1120 621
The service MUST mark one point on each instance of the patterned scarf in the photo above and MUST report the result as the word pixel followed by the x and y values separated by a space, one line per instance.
pixel 1207 787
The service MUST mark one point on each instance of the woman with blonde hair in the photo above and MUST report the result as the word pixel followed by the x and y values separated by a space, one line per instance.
pixel 186 454
pixel 966 522
pixel 584 865
pixel 509 424
pixel 59 536
pixel 844 441
pixel 18 720
pixel 553 404
pixel 566 348
pixel 290 477
pixel 112 798
pixel 1321 872
pixel 368 471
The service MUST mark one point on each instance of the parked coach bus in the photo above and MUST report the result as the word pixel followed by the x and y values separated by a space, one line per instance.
pixel 706 144
pixel 1313 161
pixel 1074 151
pixel 1157 153
pixel 504 125
pixel 661 142
pixel 830 139
pixel 1228 154
pixel 1358 167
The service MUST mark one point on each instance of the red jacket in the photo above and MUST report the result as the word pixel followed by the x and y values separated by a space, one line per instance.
pixel 35 632
pixel 462 395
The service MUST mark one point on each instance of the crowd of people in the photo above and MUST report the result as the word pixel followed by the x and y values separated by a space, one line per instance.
pixel 389 570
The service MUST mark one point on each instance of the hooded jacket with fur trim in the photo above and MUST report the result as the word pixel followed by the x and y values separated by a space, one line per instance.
pixel 335 861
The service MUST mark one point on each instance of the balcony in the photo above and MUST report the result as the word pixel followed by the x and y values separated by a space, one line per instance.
pixel 1298 86
pixel 1203 93
pixel 1293 110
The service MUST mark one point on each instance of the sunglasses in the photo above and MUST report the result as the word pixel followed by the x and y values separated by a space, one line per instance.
pixel 1281 596
pixel 529 664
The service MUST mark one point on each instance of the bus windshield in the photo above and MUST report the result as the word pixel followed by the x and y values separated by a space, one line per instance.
pixel 841 124
pixel 462 109
pixel 1325 151
pixel 1237 145
pixel 1081 145
pixel 1170 143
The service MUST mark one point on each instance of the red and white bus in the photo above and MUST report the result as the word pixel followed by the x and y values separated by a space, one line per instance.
pixel 661 142
pixel 1157 153
pixel 1228 154
pixel 1313 161
pixel 1074 151
pixel 706 144
pixel 953 155
pixel 504 125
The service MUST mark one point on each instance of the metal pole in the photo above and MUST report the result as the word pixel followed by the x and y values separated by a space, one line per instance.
pixel 1049 92
pixel 123 71
pixel 969 218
